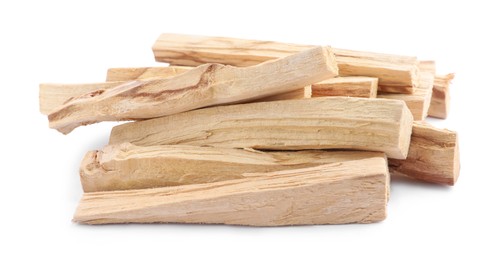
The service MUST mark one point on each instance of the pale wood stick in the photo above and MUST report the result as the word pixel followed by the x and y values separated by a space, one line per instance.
pixel 125 74
pixel 305 92
pixel 312 123
pixel 365 87
pixel 396 74
pixel 420 100
pixel 440 103
pixel 337 193
pixel 52 96
pixel 127 166
pixel 206 85
pixel 433 155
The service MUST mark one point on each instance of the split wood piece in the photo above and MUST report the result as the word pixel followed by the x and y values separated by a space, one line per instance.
pixel 127 166
pixel 206 85
pixel 364 87
pixel 433 155
pixel 337 193
pixel 397 74
pixel 125 74
pixel 440 103
pixel 52 96
pixel 420 100
pixel 313 123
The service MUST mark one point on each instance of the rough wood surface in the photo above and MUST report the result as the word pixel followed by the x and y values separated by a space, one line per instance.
pixel 305 92
pixel 420 100
pixel 364 87
pixel 313 123
pixel 396 74
pixel 433 155
pixel 440 103
pixel 337 193
pixel 206 85
pixel 127 166
pixel 52 96
pixel 125 74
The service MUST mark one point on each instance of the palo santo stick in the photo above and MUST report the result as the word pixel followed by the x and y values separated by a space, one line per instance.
pixel 305 92
pixel 337 193
pixel 419 101
pixel 127 166
pixel 312 123
pixel 125 74
pixel 364 87
pixel 433 155
pixel 440 103
pixel 52 96
pixel 396 74
pixel 206 85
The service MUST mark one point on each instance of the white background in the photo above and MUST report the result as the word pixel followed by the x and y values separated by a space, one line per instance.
pixel 59 41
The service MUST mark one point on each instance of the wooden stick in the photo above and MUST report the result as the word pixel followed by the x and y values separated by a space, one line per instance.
pixel 207 85
pixel 364 87
pixel 420 100
pixel 302 93
pixel 337 193
pixel 313 123
pixel 396 74
pixel 52 96
pixel 126 74
pixel 127 166
pixel 433 155
pixel 440 104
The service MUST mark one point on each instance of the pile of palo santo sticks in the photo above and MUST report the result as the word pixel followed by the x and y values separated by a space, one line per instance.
pixel 257 133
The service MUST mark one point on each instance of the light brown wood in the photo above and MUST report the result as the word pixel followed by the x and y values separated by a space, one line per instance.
pixel 305 92
pixel 125 74
pixel 337 193
pixel 206 85
pixel 396 74
pixel 127 166
pixel 433 155
pixel 52 96
pixel 440 103
pixel 420 100
pixel 313 123
pixel 364 87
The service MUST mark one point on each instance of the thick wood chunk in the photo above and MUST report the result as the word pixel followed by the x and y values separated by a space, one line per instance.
pixel 396 74
pixel 364 87
pixel 206 85
pixel 433 155
pixel 127 166
pixel 337 193
pixel 313 123
pixel 440 103
pixel 420 100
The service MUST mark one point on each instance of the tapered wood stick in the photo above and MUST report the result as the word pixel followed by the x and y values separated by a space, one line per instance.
pixel 127 166
pixel 344 192
pixel 440 103
pixel 433 155
pixel 207 85
pixel 313 123
pixel 420 100
pixel 396 74
pixel 365 87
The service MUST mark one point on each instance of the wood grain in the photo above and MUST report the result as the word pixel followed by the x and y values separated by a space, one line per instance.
pixel 433 155
pixel 397 74
pixel 125 74
pixel 127 166
pixel 364 87
pixel 344 192
pixel 440 103
pixel 206 85
pixel 313 123
pixel 420 100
